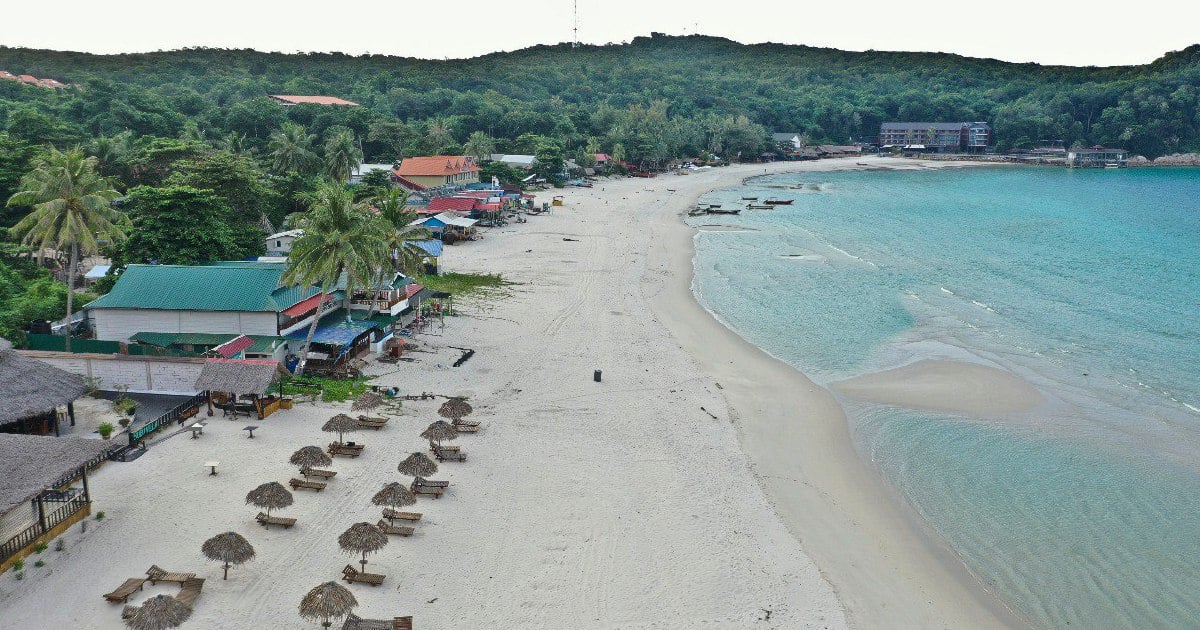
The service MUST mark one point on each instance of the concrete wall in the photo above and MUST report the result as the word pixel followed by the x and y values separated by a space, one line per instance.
pixel 119 324
pixel 152 375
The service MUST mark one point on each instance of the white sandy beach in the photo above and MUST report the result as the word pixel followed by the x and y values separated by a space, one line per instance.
pixel 621 504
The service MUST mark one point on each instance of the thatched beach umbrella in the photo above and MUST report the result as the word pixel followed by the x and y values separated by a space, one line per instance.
pixel 229 548
pixel 270 495
pixel 327 602
pixel 159 613
pixel 340 424
pixel 417 465
pixel 438 431
pixel 394 495
pixel 367 401
pixel 310 456
pixel 362 538
pixel 455 409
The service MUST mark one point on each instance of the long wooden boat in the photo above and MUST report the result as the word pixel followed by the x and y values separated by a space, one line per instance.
pixel 758 206
pixel 779 202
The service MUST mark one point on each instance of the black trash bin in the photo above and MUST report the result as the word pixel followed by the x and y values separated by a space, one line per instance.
pixel 596 376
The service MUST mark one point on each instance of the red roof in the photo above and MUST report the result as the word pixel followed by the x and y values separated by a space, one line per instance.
pixel 304 306
pixel 412 289
pixel 293 99
pixel 30 79
pixel 460 204
pixel 490 207
pixel 234 346
pixel 437 166
pixel 600 157
pixel 407 183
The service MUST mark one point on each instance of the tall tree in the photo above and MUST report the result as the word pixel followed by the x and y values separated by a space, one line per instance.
pixel 342 155
pixel 437 133
pixel 340 236
pixel 291 150
pixel 177 225
pixel 401 234
pixel 72 205
pixel 480 145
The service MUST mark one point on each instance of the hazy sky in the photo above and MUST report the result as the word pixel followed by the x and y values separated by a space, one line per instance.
pixel 1045 31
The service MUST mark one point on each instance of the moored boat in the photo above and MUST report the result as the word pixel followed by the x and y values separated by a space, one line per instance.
pixel 779 202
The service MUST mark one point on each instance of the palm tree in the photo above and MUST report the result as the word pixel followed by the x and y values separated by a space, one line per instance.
pixel 340 237
pixel 291 150
pixel 406 257
pixel 72 205
pixel 342 156
pixel 480 145
pixel 437 132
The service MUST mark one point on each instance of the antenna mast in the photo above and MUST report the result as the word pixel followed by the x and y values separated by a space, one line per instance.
pixel 575 29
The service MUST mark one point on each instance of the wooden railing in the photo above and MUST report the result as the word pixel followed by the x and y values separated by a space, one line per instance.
pixel 26 536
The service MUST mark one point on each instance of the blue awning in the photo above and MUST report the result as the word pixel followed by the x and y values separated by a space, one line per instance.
pixel 431 247
pixel 334 330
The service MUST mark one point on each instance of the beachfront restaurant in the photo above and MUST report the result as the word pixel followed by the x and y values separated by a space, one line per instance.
pixel 241 385
pixel 45 489
pixel 32 392
pixel 337 342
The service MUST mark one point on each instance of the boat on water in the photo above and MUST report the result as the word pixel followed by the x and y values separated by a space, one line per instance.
pixel 749 198
pixel 723 210
pixel 779 202
pixel 758 206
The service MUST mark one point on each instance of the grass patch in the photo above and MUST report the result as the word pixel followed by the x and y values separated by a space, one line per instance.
pixel 467 284
pixel 330 389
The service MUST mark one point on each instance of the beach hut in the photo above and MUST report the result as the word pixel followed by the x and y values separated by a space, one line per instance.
pixel 230 379
pixel 39 498
pixel 31 391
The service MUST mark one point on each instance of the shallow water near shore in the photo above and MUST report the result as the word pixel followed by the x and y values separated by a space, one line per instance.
pixel 1085 283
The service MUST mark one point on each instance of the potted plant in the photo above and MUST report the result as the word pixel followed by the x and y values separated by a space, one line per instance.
pixel 105 429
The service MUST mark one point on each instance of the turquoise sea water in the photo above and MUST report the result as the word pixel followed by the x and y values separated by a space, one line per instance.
pixel 1084 513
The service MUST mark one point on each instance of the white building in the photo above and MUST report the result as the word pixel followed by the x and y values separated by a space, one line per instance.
pixel 280 244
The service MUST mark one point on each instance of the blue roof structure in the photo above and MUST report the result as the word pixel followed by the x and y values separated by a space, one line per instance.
pixel 334 330
pixel 431 247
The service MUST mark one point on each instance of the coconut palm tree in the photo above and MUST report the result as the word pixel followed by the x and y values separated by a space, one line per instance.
pixel 342 155
pixel 340 237
pixel 437 132
pixel 72 205
pixel 480 145
pixel 401 235
pixel 291 150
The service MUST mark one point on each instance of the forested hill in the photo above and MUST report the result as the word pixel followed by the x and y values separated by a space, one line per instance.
pixel 656 96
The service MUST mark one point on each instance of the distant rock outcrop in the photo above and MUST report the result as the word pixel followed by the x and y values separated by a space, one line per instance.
pixel 1175 159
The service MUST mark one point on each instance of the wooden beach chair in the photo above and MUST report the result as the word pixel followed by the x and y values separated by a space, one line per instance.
pixel 128 587
pixel 352 575
pixel 311 485
pixel 268 521
pixel 429 483
pixel 354 622
pixel 367 422
pixel 447 455
pixel 190 592
pixel 467 428
pixel 465 423
pixel 318 472
pixel 404 516
pixel 346 449
pixel 395 530
pixel 158 575
pixel 431 491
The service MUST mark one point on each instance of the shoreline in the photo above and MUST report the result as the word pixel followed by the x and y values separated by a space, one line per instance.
pixel 885 564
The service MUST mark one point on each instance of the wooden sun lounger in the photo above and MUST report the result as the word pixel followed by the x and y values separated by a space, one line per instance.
pixel 395 530
pixel 351 575
pixel 345 449
pixel 190 592
pixel 429 483
pixel 445 447
pixel 318 472
pixel 444 455
pixel 465 423
pixel 128 587
pixel 268 521
pixel 158 575
pixel 372 423
pixel 467 428
pixel 435 492
pixel 311 485
pixel 404 516
pixel 354 622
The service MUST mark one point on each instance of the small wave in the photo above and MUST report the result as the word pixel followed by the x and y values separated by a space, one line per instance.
pixel 1194 409
pixel 983 306
pixel 849 255
pixel 947 291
